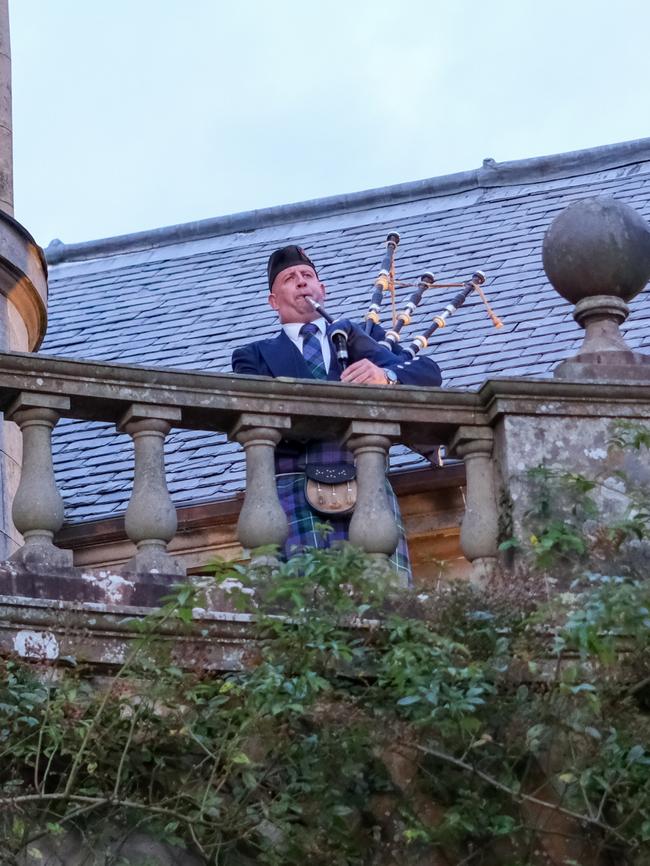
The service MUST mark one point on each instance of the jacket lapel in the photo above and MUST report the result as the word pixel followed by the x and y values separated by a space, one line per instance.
pixel 283 358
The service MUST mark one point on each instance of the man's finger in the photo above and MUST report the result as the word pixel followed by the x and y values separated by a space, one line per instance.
pixel 364 376
pixel 356 367
pixel 358 377
pixel 354 376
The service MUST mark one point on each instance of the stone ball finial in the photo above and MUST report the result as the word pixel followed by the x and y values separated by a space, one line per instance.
pixel 597 246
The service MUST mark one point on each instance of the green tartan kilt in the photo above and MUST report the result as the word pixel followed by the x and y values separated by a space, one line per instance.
pixel 303 524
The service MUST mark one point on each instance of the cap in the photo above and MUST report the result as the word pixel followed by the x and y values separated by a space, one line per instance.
pixel 287 257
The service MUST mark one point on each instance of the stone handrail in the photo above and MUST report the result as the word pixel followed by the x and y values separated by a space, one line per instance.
pixel 35 391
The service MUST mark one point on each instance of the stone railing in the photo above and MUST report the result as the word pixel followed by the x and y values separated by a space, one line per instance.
pixel 507 427
pixel 256 412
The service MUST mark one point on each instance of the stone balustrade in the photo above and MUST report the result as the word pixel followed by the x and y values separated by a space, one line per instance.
pixel 498 431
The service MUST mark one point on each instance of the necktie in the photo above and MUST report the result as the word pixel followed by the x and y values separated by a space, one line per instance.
pixel 311 351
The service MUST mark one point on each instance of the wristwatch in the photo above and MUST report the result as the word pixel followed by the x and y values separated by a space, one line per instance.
pixel 391 377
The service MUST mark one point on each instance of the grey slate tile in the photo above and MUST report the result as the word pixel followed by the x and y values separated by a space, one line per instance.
pixel 191 310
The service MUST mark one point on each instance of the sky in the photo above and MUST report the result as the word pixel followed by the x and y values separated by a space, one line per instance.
pixel 134 114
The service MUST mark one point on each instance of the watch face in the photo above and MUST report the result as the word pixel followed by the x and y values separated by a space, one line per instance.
pixel 391 376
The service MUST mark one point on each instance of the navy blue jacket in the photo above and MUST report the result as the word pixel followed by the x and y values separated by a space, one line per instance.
pixel 279 356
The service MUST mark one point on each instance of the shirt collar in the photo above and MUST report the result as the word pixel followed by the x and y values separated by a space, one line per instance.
pixel 292 329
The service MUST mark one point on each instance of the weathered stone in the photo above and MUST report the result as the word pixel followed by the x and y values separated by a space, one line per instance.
pixel 114 845
pixel 373 526
pixel 567 427
pixel 150 518
pixel 479 529
pixel 604 354
pixel 597 246
pixel 38 506
pixel 88 619
pixel 262 520
pixel 596 254
pixel 215 401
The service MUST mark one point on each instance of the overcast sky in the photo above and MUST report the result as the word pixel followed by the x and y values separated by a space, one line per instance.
pixel 133 114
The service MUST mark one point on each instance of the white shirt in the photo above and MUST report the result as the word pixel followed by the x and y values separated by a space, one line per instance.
pixel 292 330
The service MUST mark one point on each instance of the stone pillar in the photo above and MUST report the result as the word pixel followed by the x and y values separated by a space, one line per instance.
pixel 37 506
pixel 262 520
pixel 150 519
pixel 479 529
pixel 373 527
pixel 6 138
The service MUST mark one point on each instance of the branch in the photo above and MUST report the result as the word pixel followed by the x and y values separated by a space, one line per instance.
pixel 99 801
pixel 519 797
pixel 127 746
pixel 126 664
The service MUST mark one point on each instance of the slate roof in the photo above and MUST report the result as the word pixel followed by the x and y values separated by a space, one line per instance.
pixel 185 296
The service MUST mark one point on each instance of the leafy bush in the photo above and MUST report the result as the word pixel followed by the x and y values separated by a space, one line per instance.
pixel 372 730
pixel 459 728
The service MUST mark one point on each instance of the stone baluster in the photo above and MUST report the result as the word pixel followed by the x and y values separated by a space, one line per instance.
pixel 262 519
pixel 38 507
pixel 478 535
pixel 373 527
pixel 150 519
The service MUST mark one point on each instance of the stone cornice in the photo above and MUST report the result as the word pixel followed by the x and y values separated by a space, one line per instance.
pixel 561 397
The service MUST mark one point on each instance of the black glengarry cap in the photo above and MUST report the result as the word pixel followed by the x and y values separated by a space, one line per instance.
pixel 287 257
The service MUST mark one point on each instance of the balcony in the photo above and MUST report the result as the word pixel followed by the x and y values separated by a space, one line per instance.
pixel 40 580
pixel 496 431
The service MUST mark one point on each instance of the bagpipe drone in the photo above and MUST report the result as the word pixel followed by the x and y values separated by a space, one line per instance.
pixel 386 284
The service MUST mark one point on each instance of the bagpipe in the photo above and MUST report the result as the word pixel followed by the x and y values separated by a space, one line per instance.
pixel 386 284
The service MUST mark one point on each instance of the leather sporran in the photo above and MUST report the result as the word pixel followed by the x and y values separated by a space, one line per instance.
pixel 331 490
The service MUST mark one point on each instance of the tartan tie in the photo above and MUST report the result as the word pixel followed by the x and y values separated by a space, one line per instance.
pixel 311 351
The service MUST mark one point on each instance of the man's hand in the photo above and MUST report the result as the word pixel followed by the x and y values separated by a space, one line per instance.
pixel 364 372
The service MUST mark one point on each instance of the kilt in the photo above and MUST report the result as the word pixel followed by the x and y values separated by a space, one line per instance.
pixel 304 523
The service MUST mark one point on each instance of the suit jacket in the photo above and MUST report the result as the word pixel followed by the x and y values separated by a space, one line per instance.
pixel 279 356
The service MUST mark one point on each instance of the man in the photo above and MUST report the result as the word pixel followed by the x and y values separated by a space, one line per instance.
pixel 304 350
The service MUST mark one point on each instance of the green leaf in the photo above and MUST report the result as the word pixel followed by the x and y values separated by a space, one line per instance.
pixel 510 544
pixel 240 758
pixel 635 754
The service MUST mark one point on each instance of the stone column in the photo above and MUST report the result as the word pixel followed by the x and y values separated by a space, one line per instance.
pixel 373 527
pixel 262 519
pixel 6 143
pixel 38 507
pixel 150 519
pixel 479 529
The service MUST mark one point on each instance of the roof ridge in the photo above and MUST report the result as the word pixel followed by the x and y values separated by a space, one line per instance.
pixel 491 174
